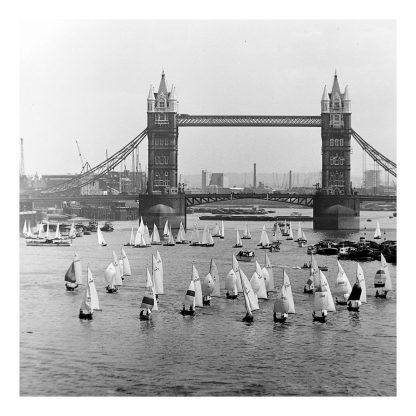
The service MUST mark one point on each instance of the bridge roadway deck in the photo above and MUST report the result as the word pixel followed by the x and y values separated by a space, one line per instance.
pixel 198 199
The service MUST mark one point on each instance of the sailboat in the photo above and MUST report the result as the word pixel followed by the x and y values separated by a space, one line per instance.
pixel 290 235
pixel 236 268
pixel 358 293
pixel 261 292
pixel 320 302
pixel 324 282
pixel 288 292
pixel 125 262
pixel 246 234
pixel 111 276
pixel 342 285
pixel 171 241
pixel 73 276
pixel 213 271
pixel 284 303
pixel 166 229
pixel 157 270
pixel 100 237
pixel 269 275
pixel 382 280
pixel 198 288
pixel 72 232
pixel 313 271
pixel 222 236
pixel 377 233
pixel 231 285
pixel 148 301
pixel 207 286
pixel 216 232
pixel 189 300
pixel 264 239
pixel 146 236
pixel 155 240
pixel 24 230
pixel 131 241
pixel 207 240
pixel 181 237
pixel 238 243
pixel 250 299
pixel 301 237
pixel 139 241
pixel 195 240
pixel 90 302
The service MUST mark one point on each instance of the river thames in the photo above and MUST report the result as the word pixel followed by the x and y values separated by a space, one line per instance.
pixel 213 353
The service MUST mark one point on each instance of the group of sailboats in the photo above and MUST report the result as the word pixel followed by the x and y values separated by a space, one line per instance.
pixel 219 231
pixel 45 238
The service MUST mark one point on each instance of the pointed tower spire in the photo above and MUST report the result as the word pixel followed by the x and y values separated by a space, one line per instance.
pixel 151 95
pixel 324 102
pixel 335 85
pixel 172 93
pixel 346 95
pixel 346 100
pixel 324 95
pixel 162 85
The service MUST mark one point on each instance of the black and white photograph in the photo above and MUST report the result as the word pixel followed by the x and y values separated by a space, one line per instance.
pixel 208 208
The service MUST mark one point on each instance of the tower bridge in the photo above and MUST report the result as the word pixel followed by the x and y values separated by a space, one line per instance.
pixel 335 206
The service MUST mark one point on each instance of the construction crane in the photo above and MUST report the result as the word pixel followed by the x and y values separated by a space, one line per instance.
pixel 85 166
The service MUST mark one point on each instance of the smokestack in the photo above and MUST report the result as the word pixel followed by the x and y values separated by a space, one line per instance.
pixel 204 181
pixel 290 180
pixel 254 177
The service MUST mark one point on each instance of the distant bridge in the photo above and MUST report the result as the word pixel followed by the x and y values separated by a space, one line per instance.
pixel 199 199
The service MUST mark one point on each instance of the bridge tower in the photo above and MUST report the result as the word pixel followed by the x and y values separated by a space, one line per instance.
pixel 334 205
pixel 162 108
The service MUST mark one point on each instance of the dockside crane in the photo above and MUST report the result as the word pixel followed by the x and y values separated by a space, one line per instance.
pixel 85 166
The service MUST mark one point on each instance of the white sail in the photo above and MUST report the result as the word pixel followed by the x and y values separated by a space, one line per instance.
pixel 47 231
pixel 213 270
pixel 210 239
pixel 342 285
pixel 110 274
pixel 121 266
pixel 262 293
pixel 155 235
pixel 247 302
pixel 264 239
pixel 216 231
pixel 95 305
pixel 126 263
pixel 281 305
pixel 157 275
pixel 142 242
pixel 138 237
pixel 205 235
pixel 238 240
pixel 100 237
pixel 361 280
pixel 387 282
pixel 24 231
pixel 304 236
pixel 141 225
pixel 315 272
pixel 299 231
pixel 324 283
pixel 171 240
pixel 266 278
pixel 86 301
pixel 377 233
pixel 77 269
pixel 287 289
pixel 255 283
pixel 236 268
pixel 320 301
pixel 72 231
pixel 198 289
pixel 290 237
pixel 231 282
pixel 150 286
pixel 166 229
pixel 207 285
pixel 222 229
pixel 190 294
pixel 269 267
pixel 248 291
pixel 40 232
pixel 146 236
pixel 246 231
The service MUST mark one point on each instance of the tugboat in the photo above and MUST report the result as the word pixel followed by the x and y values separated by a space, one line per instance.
pixel 327 248
pixel 107 226
pixel 92 226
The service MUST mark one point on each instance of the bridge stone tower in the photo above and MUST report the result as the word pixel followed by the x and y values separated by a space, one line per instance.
pixel 334 205
pixel 162 201
pixel 162 135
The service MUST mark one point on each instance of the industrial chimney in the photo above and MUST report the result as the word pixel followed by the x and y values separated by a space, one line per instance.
pixel 254 178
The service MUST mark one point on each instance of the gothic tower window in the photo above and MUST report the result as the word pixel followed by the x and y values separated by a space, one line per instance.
pixel 331 142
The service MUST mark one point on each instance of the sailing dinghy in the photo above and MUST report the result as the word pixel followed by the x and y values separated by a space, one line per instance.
pixel 157 267
pixel 148 301
pixel 171 240
pixel 377 233
pixel 155 240
pixel 382 280
pixel 231 285
pixel 268 273
pixel 100 237
pixel 222 236
pixel 216 232
pixel 181 237
pixel 320 300
pixel 246 234
pixel 195 240
pixel 250 299
pixel 290 235
pixel 342 286
pixel 131 241
pixel 125 262
pixel 90 302
pixel 166 229
pixel 189 300
pixel 284 303
pixel 213 271
pixel 207 286
pixel 73 276
pixel 238 243
pixel 358 293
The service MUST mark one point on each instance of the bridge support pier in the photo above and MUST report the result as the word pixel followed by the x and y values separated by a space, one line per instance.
pixel 157 208
pixel 336 212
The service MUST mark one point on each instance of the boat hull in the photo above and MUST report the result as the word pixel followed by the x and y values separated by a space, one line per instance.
pixel 111 289
pixel 248 318
pixel 228 296
pixel 187 312
pixel 85 316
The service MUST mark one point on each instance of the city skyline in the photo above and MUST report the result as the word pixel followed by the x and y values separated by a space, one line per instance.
pixel 69 90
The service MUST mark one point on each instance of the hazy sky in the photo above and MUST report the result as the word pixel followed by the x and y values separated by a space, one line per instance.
pixel 89 80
